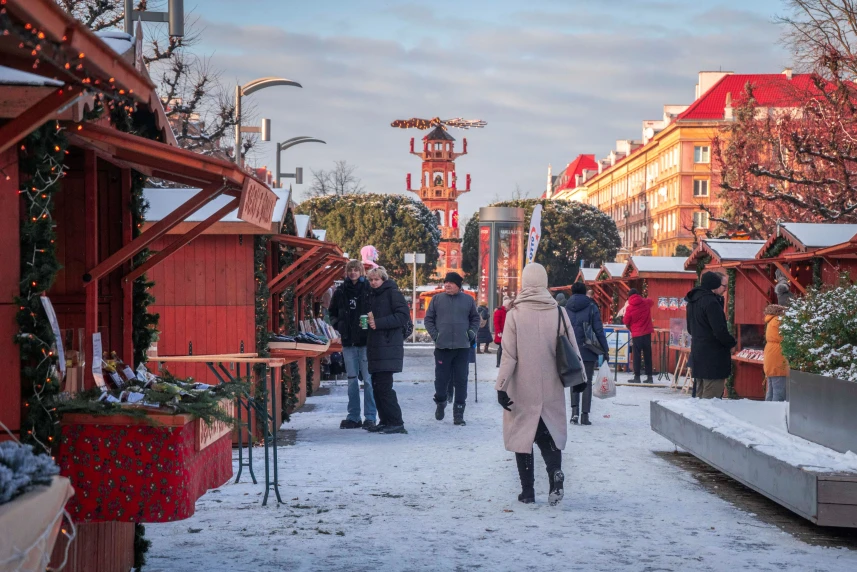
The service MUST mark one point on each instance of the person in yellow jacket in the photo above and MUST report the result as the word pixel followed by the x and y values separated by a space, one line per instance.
pixel 776 367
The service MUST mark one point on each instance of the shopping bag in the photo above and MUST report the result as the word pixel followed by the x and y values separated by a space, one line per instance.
pixel 603 386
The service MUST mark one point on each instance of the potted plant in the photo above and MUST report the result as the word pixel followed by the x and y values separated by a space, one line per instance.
pixel 820 342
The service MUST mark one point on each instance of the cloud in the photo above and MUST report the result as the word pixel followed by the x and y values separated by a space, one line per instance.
pixel 548 85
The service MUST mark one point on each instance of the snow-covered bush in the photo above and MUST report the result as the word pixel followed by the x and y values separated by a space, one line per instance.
pixel 20 470
pixel 820 333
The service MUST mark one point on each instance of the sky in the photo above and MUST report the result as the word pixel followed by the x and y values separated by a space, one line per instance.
pixel 552 78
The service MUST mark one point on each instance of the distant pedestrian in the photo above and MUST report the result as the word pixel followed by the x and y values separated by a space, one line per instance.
pixel 590 293
pixel 499 323
pixel 483 336
pixel 528 384
pixel 386 347
pixel 452 322
pixel 560 299
pixel 711 343
pixel 638 318
pixel 582 310
pixel 350 301
pixel 776 367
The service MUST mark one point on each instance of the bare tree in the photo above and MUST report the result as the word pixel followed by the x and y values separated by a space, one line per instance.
pixel 814 27
pixel 340 180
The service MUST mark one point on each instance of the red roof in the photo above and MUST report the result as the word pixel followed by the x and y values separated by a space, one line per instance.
pixel 770 90
pixel 576 167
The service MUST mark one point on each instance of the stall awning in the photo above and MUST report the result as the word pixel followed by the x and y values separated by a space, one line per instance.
pixel 212 175
pixel 318 266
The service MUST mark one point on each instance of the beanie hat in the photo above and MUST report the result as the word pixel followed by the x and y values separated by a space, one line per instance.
pixel 711 281
pixel 632 291
pixel 507 302
pixel 453 277
pixel 560 298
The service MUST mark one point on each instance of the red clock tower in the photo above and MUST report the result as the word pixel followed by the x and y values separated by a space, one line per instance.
pixel 439 191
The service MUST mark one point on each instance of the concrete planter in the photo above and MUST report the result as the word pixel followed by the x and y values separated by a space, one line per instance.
pixel 822 410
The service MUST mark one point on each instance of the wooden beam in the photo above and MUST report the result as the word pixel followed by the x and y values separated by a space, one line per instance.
pixel 299 273
pixel 90 256
pixel 18 128
pixel 181 241
pixel 788 276
pixel 301 288
pixel 306 256
pixel 753 282
pixel 327 276
pixel 156 231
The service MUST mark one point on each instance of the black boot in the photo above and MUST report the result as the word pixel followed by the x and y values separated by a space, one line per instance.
pixel 458 414
pixel 438 412
pixel 636 379
pixel 584 419
pixel 649 379
pixel 556 479
pixel 574 416
pixel 526 473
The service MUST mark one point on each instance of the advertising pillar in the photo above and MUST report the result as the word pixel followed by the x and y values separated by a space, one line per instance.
pixel 501 254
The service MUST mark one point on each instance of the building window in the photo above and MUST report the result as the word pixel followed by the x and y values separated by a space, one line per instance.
pixel 700 220
pixel 700 187
pixel 702 154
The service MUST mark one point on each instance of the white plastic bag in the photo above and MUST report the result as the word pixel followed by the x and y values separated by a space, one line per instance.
pixel 603 386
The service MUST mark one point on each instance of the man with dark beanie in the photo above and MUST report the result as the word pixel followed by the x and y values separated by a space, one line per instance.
pixel 452 322
pixel 710 341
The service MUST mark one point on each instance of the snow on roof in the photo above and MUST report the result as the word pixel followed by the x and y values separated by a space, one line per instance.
pixel 119 42
pixel 302 225
pixel 10 76
pixel 590 273
pixel 164 201
pixel 660 264
pixel 615 269
pixel 820 235
pixel 319 234
pixel 734 249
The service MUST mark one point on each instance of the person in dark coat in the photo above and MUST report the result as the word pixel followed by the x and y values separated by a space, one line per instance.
pixel 582 309
pixel 711 343
pixel 386 348
pixel 350 301
pixel 483 335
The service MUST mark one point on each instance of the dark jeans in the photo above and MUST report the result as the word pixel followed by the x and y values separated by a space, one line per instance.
pixel 643 348
pixel 589 367
pixel 389 412
pixel 450 365
pixel 551 455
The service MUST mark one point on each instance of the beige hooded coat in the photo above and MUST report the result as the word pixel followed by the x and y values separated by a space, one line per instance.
pixel 528 367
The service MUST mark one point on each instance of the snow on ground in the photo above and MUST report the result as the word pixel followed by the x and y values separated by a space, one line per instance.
pixel 445 498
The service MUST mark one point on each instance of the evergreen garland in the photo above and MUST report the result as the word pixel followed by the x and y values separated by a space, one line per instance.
pixel 286 323
pixel 776 248
pixel 701 263
pixel 263 295
pixel 731 273
pixel 644 290
pixel 817 279
pixel 614 307
pixel 41 165
pixel 306 303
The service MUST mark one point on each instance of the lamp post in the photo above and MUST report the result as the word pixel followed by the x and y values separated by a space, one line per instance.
pixel 414 258
pixel 298 175
pixel 265 129
pixel 174 16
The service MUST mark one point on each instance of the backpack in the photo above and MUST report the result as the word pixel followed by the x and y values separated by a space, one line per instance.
pixel 590 340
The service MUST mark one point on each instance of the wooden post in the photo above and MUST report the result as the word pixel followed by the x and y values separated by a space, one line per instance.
pixel 90 255
pixel 127 287
pixel 10 262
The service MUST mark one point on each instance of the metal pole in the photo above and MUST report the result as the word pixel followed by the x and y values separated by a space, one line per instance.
pixel 129 17
pixel 237 155
pixel 414 302
pixel 278 164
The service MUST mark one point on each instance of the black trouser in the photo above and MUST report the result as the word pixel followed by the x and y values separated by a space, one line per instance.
pixel 589 367
pixel 643 348
pixel 389 412
pixel 499 353
pixel 551 455
pixel 451 365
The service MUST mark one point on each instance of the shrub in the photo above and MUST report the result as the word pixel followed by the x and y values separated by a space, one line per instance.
pixel 820 333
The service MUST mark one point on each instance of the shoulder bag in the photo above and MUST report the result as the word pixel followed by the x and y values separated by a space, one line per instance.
pixel 590 340
pixel 568 365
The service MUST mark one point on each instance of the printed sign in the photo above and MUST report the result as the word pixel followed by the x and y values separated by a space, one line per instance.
pixel 618 342
pixel 257 204
pixel 535 233
pixel 55 328
pixel 97 352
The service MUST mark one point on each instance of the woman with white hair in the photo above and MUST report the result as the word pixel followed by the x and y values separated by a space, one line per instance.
pixel 386 348
pixel 528 384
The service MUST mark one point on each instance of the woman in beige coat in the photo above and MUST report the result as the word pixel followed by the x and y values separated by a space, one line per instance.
pixel 528 385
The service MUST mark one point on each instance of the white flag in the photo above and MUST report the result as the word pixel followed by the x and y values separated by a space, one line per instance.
pixel 535 233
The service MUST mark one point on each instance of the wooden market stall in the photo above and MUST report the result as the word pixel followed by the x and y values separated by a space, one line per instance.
pixel 611 290
pixel 752 290
pixel 69 236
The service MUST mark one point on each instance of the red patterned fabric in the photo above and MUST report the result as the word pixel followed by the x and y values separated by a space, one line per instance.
pixel 139 473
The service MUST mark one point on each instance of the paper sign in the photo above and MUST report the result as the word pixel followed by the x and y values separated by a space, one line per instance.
pixel 55 327
pixel 97 352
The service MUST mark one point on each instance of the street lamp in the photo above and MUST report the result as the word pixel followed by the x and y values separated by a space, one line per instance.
pixel 414 258
pixel 174 16
pixel 265 129
pixel 298 175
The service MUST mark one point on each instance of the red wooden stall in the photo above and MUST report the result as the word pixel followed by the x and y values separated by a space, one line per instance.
pixel 610 290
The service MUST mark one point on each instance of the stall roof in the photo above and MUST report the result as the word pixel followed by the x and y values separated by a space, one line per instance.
pixel 613 269
pixel 662 264
pixel 320 234
pixel 806 236
pixel 589 274
pixel 163 201
pixel 302 225
pixel 734 249
pixel 11 76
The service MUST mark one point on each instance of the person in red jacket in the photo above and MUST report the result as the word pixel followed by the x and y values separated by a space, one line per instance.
pixel 638 318
pixel 499 322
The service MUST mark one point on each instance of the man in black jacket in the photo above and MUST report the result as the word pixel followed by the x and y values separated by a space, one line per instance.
pixel 582 309
pixel 710 341
pixel 350 301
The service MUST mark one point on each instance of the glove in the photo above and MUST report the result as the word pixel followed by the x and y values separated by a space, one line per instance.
pixel 504 401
